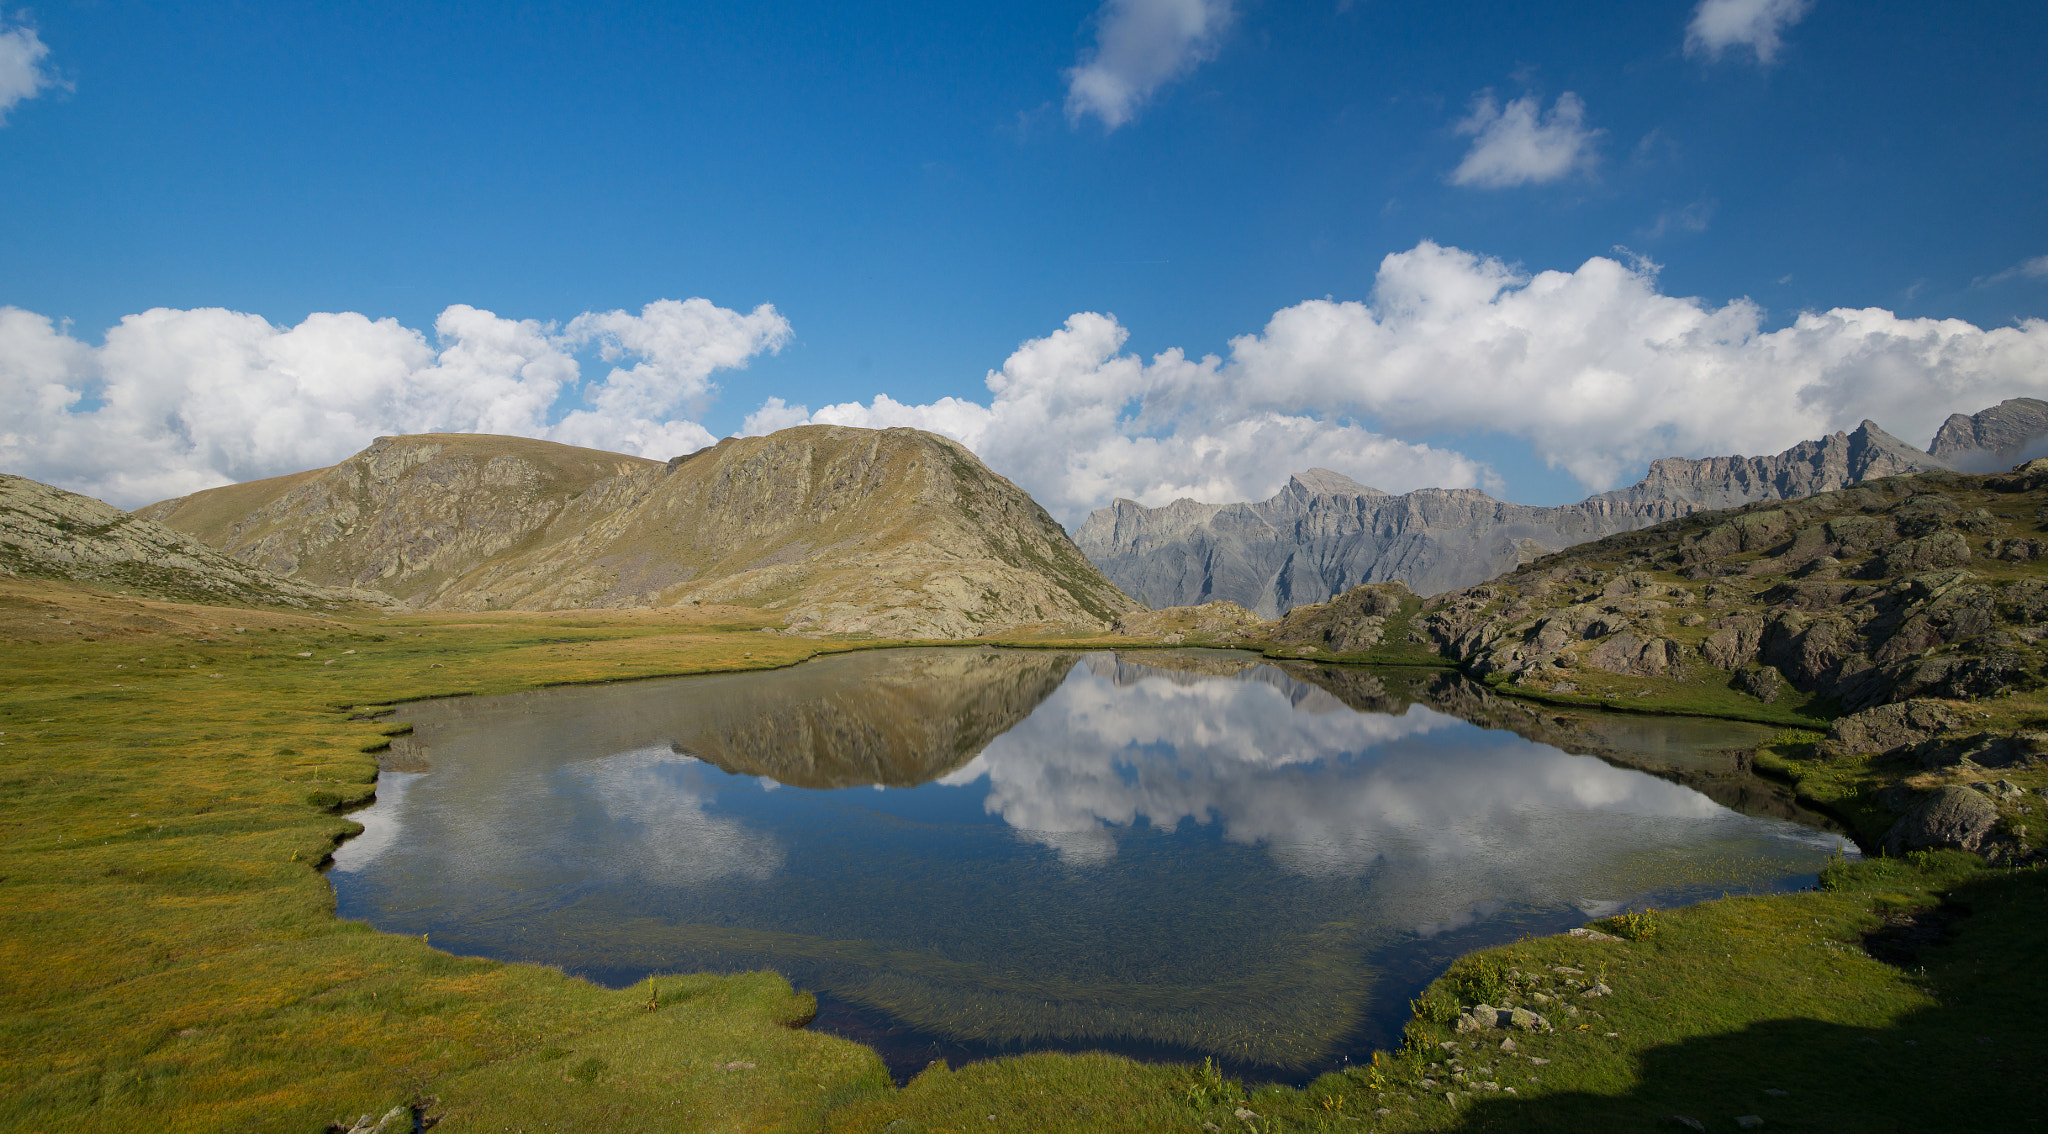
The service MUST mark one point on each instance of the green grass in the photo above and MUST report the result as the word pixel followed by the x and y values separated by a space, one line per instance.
pixel 169 958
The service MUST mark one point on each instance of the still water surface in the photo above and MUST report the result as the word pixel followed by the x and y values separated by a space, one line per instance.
pixel 969 851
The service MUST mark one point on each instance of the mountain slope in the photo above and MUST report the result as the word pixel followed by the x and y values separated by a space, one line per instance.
pixel 1994 438
pixel 1324 534
pixel 1931 585
pixel 48 533
pixel 896 532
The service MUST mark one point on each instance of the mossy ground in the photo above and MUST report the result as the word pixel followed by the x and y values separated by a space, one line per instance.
pixel 171 958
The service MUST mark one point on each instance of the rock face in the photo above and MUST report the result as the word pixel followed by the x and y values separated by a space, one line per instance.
pixel 1835 461
pixel 1886 592
pixel 1324 533
pixel 49 533
pixel 896 533
pixel 1992 439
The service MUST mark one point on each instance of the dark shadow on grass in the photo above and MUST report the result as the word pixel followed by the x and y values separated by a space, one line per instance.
pixel 1974 1063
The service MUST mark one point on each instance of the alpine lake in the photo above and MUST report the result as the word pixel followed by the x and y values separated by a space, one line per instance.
pixel 967 852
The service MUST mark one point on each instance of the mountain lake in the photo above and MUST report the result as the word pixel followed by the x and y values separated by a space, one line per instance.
pixel 966 852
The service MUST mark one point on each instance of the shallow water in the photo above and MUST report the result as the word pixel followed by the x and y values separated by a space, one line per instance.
pixel 972 851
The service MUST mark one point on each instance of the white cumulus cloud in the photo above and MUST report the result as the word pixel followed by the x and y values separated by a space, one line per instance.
pixel 1596 369
pixel 177 400
pixel 1077 422
pixel 1519 144
pixel 1719 25
pixel 22 71
pixel 1140 46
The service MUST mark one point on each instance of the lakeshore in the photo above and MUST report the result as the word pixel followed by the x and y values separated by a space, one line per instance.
pixel 174 959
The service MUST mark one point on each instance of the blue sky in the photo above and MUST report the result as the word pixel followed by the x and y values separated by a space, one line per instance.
pixel 918 190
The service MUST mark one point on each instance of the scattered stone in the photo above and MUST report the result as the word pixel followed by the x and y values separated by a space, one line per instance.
pixel 1481 1017
pixel 736 1065
pixel 1688 1123
pixel 1508 1044
pixel 1383 1112
pixel 397 1120
pixel 1599 989
pixel 1775 1092
pixel 1245 1115
pixel 1585 934
pixel 306 654
pixel 1748 1121
pixel 1538 1062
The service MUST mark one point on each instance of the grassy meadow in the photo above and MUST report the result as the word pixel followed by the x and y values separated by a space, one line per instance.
pixel 173 776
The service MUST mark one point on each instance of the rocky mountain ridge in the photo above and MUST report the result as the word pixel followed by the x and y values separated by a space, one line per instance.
pixel 1324 533
pixel 48 533
pixel 1993 439
pixel 895 533
pixel 1904 602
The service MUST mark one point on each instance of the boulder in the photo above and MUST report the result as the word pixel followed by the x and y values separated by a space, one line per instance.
pixel 1947 817
pixel 1630 656
pixel 1481 1017
pixel 1763 683
pixel 1890 729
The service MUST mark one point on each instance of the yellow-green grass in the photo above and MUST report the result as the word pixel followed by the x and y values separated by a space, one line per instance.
pixel 171 959
pixel 170 955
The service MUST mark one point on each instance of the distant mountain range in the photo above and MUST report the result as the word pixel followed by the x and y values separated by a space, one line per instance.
pixel 895 532
pixel 1325 533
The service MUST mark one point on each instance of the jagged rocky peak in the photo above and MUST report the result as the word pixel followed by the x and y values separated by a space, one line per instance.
pixel 1325 533
pixel 1835 461
pixel 1990 440
pixel 1323 482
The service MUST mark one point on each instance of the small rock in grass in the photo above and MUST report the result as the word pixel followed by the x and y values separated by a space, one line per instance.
pixel 1538 1062
pixel 1775 1092
pixel 1688 1123
pixel 1383 1112
pixel 1244 1115
pixel 1749 1121
pixel 1508 1044
pixel 1585 934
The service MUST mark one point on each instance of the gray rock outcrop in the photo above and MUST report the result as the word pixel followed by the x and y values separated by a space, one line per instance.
pixel 49 533
pixel 1832 592
pixel 1324 533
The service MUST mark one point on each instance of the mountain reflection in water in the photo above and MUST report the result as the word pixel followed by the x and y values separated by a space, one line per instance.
pixel 965 851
